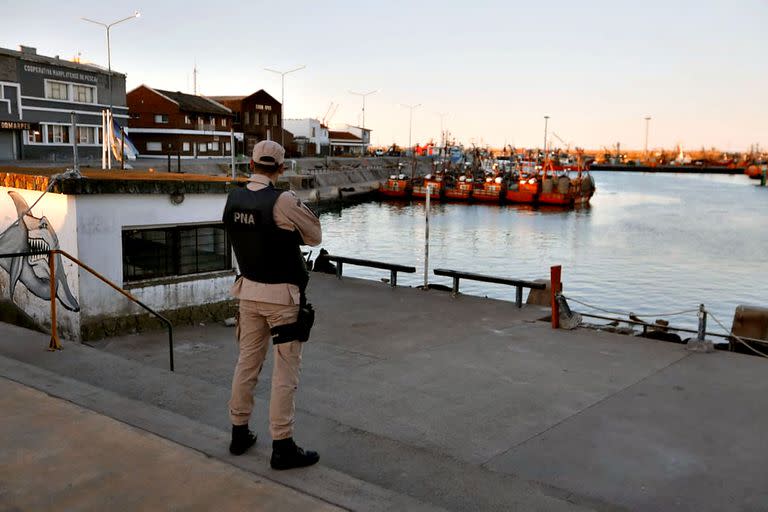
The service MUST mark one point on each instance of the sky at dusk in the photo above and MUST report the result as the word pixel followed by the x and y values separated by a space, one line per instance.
pixel 493 68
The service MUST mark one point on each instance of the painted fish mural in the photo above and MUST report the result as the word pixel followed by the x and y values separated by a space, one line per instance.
pixel 32 233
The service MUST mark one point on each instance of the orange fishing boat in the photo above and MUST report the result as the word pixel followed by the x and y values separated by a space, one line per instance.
pixel 458 190
pixel 524 187
pixel 490 190
pixel 396 187
pixel 754 171
pixel 562 190
pixel 432 182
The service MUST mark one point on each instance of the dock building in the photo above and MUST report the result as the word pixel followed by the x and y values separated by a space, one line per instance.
pixel 39 94
pixel 257 117
pixel 310 136
pixel 350 140
pixel 175 123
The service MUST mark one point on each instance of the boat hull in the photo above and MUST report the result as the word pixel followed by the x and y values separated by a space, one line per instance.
pixel 396 189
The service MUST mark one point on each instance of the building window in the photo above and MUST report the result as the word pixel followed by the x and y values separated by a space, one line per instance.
pixel 274 120
pixel 161 118
pixel 56 90
pixel 86 135
pixel 34 137
pixel 224 122
pixel 58 134
pixel 247 118
pixel 227 147
pixel 174 251
pixel 83 94
pixel 185 146
pixel 256 118
pixel 187 120
pixel 154 146
pixel 212 122
pixel 202 147
pixel 214 146
pixel 266 119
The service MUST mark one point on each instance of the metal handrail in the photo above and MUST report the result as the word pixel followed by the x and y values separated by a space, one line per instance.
pixel 55 343
pixel 393 268
pixel 519 284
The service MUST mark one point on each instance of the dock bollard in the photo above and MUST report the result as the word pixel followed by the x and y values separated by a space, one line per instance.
pixel 555 273
pixel 700 344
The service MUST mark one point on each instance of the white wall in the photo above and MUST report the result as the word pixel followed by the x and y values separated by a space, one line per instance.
pixel 101 219
pixel 299 127
pixel 53 219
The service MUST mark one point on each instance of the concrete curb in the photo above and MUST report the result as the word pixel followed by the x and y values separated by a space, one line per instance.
pixel 319 482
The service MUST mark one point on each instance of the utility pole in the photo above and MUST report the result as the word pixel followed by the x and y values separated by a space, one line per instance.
pixel 282 98
pixel 410 121
pixel 647 122
pixel 546 122
pixel 194 79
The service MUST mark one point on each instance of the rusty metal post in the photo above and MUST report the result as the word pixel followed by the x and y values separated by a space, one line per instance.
pixel 555 286
pixel 55 344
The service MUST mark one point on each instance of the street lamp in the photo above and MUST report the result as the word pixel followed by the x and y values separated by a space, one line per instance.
pixel 410 121
pixel 282 99
pixel 647 122
pixel 363 95
pixel 108 26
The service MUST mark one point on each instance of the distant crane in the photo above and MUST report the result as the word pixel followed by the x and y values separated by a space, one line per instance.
pixel 332 108
pixel 567 144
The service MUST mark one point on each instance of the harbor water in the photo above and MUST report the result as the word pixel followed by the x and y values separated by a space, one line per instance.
pixel 647 244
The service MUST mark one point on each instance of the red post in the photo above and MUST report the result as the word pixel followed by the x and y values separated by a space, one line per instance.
pixel 556 287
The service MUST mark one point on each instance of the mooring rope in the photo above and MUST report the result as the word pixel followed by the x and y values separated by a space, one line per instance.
pixel 730 333
pixel 625 313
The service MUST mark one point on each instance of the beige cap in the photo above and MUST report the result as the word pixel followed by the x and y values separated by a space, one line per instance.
pixel 268 153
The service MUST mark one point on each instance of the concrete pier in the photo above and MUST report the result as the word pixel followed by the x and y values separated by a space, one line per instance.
pixel 417 400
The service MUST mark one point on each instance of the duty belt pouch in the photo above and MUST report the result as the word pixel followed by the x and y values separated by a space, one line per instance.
pixel 300 329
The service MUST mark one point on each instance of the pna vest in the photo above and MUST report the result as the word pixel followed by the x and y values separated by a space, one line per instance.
pixel 264 252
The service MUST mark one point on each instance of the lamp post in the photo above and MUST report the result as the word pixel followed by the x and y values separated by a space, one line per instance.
pixel 108 26
pixel 647 122
pixel 363 95
pixel 282 98
pixel 410 122
pixel 546 122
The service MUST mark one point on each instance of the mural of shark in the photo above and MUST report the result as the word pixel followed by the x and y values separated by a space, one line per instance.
pixel 32 233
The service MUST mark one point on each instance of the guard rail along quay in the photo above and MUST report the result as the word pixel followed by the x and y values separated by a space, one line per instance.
pixel 518 283
pixel 392 267
pixel 55 343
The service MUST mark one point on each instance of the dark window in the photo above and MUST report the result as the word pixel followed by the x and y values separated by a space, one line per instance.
pixel 174 251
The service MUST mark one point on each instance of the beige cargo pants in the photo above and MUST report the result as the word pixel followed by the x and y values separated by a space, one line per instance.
pixel 253 336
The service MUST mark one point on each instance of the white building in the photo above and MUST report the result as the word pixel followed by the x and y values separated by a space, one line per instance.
pixel 310 136
pixel 160 239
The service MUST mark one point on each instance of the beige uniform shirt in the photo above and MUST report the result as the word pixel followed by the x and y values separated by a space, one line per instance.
pixel 291 214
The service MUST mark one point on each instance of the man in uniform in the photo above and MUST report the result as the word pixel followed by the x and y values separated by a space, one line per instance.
pixel 266 227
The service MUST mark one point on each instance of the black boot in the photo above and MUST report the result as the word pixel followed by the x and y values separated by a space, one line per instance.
pixel 242 439
pixel 286 455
